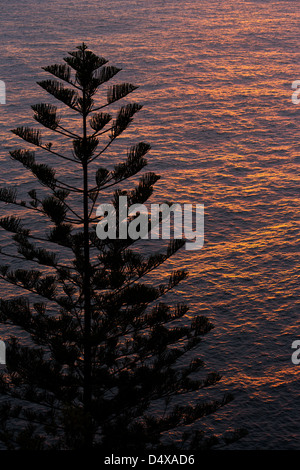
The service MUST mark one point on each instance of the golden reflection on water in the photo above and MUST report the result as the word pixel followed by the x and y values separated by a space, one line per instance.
pixel 216 83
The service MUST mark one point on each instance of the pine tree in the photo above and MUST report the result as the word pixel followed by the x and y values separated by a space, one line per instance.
pixel 103 344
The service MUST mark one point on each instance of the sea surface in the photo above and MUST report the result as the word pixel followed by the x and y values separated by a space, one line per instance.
pixel 215 80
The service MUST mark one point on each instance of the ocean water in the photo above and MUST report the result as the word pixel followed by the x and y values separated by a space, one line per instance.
pixel 215 81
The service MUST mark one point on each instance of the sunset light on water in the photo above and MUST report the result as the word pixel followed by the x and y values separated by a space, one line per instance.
pixel 215 80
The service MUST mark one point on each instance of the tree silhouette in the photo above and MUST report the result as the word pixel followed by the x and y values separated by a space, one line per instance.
pixel 101 345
